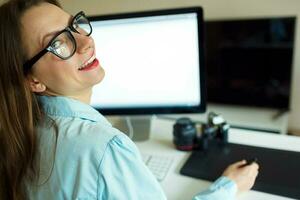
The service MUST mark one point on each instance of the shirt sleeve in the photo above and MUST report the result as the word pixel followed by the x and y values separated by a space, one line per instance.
pixel 222 189
pixel 123 174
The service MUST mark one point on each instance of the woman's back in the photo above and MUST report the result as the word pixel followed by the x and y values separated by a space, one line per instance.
pixel 90 158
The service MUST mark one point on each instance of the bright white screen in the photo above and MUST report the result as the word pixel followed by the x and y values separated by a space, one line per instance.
pixel 148 62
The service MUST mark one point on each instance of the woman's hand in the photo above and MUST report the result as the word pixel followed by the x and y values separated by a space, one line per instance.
pixel 243 175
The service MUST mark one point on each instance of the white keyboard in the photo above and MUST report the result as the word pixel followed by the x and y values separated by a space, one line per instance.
pixel 159 165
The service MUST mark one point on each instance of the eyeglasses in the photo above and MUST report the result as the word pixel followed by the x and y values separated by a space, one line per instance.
pixel 63 44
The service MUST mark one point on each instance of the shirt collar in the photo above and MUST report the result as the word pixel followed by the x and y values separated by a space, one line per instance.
pixel 67 107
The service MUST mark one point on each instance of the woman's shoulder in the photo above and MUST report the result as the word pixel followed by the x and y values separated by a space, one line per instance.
pixel 86 135
pixel 79 138
pixel 81 146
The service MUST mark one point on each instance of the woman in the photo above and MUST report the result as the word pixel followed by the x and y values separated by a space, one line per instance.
pixel 53 145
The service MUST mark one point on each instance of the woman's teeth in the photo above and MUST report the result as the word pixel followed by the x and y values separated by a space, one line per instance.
pixel 87 63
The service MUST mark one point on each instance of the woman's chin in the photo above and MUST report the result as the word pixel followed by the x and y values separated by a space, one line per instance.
pixel 100 76
pixel 95 77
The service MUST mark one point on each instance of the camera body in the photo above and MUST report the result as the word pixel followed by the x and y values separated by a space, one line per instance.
pixel 188 135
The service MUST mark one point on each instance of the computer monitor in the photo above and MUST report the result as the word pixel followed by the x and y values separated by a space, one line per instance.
pixel 153 62
pixel 249 61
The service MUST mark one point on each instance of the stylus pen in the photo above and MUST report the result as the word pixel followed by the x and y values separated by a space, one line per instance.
pixel 249 162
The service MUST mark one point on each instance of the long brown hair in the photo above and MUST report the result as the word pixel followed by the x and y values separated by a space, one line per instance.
pixel 19 109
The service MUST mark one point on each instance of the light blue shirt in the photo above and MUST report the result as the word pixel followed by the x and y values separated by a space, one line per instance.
pixel 89 159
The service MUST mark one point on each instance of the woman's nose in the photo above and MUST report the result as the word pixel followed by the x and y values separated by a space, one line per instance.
pixel 83 42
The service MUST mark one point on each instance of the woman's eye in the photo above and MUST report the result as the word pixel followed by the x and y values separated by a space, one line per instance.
pixel 56 44
pixel 75 25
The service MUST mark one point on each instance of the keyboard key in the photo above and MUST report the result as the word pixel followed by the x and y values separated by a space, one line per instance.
pixel 159 165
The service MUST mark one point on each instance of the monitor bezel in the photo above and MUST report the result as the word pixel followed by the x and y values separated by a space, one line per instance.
pixel 201 107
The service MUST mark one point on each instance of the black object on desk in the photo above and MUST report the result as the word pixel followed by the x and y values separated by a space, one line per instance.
pixel 279 171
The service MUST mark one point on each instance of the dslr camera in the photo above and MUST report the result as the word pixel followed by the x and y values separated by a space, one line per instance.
pixel 189 135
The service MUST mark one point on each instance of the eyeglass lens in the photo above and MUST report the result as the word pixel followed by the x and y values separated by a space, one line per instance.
pixel 63 45
pixel 81 25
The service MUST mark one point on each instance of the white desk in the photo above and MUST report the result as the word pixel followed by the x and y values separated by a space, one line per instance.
pixel 179 187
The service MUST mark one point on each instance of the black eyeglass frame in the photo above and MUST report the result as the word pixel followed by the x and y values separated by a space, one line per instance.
pixel 69 29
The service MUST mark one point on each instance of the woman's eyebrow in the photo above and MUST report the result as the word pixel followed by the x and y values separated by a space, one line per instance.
pixel 71 19
pixel 44 41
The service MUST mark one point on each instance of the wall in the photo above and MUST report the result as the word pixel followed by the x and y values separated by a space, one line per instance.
pixel 213 9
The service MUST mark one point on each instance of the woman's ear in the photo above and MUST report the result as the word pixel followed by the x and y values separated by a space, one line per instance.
pixel 35 85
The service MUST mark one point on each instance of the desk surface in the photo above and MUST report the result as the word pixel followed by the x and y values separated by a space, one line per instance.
pixel 178 187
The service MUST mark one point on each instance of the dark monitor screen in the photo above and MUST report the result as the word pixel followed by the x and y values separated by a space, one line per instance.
pixel 249 61
pixel 153 62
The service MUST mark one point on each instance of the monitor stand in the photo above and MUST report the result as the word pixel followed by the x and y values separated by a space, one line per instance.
pixel 136 127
